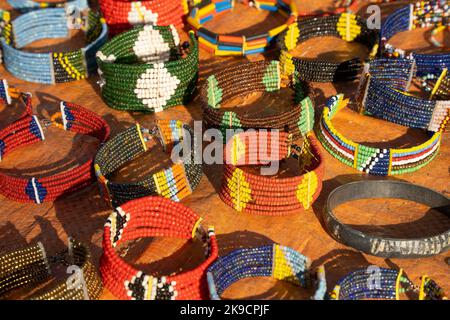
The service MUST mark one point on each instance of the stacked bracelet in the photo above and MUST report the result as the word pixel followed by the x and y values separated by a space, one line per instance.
pixel 378 245
pixel 122 15
pixel 29 5
pixel 280 262
pixel 243 79
pixel 257 194
pixel 176 182
pixel 31 267
pixel 384 94
pixel 224 45
pixel 54 67
pixel 423 14
pixel 382 283
pixel 347 26
pixel 154 217
pixel 143 69
pixel 375 161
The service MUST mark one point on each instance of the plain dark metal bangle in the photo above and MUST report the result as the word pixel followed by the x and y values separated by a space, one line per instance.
pixel 380 246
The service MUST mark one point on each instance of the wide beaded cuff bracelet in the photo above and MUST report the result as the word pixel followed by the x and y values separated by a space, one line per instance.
pixel 384 94
pixel 176 182
pixel 154 217
pixel 280 262
pixel 54 67
pixel 422 15
pixel 122 15
pixel 144 69
pixel 225 45
pixel 347 26
pixel 29 129
pixel 247 78
pixel 264 195
pixel 31 266
pixel 372 160
pixel 381 283
pixel 30 5
pixel 378 245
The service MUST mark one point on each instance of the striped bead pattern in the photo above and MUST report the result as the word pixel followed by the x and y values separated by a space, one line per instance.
pixel 29 5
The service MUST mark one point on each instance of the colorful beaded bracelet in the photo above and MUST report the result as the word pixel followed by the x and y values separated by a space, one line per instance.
pixel 347 26
pixel 122 15
pixel 54 67
pixel 264 195
pixel 154 217
pixel 438 87
pixel 176 182
pixel 29 5
pixel 31 267
pixel 247 78
pixel 144 69
pixel 423 14
pixel 383 246
pixel 371 160
pixel 384 94
pixel 225 45
pixel 280 262
pixel 29 129
pixel 382 283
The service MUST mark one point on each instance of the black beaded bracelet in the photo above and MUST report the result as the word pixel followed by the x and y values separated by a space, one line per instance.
pixel 347 26
pixel 176 182
pixel 387 247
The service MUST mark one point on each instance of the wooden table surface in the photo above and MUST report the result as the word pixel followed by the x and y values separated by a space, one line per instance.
pixel 83 214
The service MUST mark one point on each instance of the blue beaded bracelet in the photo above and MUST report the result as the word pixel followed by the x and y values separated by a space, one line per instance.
pixel 30 5
pixel 384 94
pixel 54 67
pixel 279 262
pixel 423 14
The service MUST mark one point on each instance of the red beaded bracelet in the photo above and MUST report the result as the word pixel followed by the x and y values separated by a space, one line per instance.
pixel 29 129
pixel 263 195
pixel 121 15
pixel 154 217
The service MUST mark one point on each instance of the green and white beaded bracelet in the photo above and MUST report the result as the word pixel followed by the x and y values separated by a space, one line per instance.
pixel 146 69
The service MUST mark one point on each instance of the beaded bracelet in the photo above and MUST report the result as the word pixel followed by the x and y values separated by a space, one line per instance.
pixel 382 283
pixel 280 262
pixel 31 267
pixel 387 247
pixel 122 15
pixel 176 182
pixel 347 26
pixel 54 67
pixel 244 79
pixel 154 217
pixel 225 45
pixel 423 14
pixel 29 5
pixel 384 94
pixel 438 87
pixel 260 195
pixel 29 129
pixel 143 69
pixel 371 160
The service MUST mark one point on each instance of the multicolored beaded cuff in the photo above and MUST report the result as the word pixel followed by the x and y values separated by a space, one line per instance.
pixel 176 182
pixel 280 262
pixel 371 160
pixel 225 45
pixel 54 67
pixel 422 15
pixel 122 15
pixel 387 247
pixel 144 69
pixel 384 94
pixel 31 267
pixel 29 129
pixel 247 78
pixel 382 283
pixel 347 26
pixel 154 217
pixel 30 5
pixel 264 195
